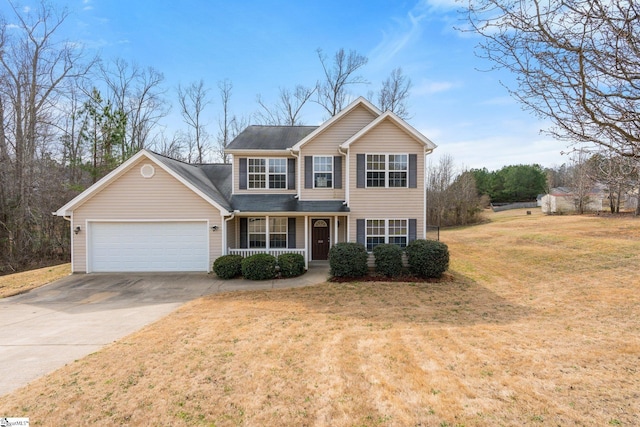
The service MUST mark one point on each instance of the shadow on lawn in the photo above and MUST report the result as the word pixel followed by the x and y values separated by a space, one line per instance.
pixel 457 300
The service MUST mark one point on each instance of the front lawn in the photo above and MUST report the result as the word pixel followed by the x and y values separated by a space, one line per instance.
pixel 18 283
pixel 536 324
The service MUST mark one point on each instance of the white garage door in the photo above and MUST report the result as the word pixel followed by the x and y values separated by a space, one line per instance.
pixel 148 246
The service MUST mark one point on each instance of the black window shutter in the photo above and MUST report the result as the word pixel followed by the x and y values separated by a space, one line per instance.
pixel 242 184
pixel 291 233
pixel 360 170
pixel 291 174
pixel 360 236
pixel 413 170
pixel 244 233
pixel 337 171
pixel 413 229
pixel 308 171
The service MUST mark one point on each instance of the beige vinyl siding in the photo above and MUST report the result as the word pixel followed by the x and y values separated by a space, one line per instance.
pixel 326 144
pixel 236 175
pixel 132 197
pixel 386 203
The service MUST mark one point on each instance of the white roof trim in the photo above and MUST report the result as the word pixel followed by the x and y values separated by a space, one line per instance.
pixel 397 120
pixel 360 101
pixel 120 170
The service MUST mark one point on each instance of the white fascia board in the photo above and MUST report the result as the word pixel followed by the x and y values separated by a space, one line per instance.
pixel 398 121
pixel 359 101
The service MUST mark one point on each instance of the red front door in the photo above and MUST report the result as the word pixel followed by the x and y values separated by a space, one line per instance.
pixel 320 239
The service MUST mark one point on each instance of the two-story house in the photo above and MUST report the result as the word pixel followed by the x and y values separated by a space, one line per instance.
pixel 358 177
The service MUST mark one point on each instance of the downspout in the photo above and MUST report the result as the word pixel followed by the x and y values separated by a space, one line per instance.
pixel 68 218
pixel 297 157
pixel 427 151
pixel 346 175
pixel 225 231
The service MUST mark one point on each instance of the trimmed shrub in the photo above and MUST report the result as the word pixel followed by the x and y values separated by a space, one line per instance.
pixel 388 259
pixel 259 267
pixel 427 258
pixel 291 265
pixel 228 266
pixel 348 260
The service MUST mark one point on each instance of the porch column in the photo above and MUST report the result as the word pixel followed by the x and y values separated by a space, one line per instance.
pixel 335 228
pixel 306 242
pixel 267 237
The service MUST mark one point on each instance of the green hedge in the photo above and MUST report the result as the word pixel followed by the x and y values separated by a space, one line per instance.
pixel 427 258
pixel 259 267
pixel 228 266
pixel 291 265
pixel 348 260
pixel 388 259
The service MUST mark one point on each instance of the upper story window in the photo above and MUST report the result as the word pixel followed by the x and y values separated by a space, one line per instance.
pixel 323 171
pixel 267 173
pixel 387 170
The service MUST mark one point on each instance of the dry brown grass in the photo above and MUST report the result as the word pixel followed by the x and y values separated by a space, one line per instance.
pixel 538 325
pixel 18 283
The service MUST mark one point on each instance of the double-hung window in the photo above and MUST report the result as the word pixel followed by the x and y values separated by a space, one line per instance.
pixel 393 231
pixel 267 173
pixel 387 170
pixel 323 172
pixel 257 231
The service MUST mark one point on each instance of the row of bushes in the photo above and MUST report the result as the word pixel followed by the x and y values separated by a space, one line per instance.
pixel 426 259
pixel 259 266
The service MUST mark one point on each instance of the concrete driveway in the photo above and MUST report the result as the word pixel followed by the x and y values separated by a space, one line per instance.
pixel 44 329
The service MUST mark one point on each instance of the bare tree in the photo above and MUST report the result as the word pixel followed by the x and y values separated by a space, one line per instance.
pixel 576 63
pixel 229 125
pixel 394 93
pixel 138 93
pixel 287 110
pixel 616 172
pixel 581 180
pixel 193 101
pixel 339 75
pixel 34 66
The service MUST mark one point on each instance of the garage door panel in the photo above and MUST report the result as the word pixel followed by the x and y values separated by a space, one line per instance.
pixel 148 246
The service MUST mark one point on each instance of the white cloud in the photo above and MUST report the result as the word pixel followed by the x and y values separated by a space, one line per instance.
pixel 445 5
pixel 431 87
pixel 405 31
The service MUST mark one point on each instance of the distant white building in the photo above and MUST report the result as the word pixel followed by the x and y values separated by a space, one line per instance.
pixel 565 200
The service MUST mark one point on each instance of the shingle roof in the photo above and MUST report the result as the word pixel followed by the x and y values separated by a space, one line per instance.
pixel 284 203
pixel 269 137
pixel 214 180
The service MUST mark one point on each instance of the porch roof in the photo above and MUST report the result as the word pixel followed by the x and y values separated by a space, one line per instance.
pixel 246 203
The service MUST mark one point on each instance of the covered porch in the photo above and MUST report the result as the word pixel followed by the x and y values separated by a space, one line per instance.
pixel 310 235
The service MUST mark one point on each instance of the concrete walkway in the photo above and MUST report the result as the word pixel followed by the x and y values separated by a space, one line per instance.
pixel 48 327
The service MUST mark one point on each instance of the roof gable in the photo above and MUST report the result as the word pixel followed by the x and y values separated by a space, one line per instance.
pixel 359 102
pixel 406 127
pixel 192 176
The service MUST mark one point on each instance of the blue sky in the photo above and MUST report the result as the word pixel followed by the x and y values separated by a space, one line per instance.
pixel 261 46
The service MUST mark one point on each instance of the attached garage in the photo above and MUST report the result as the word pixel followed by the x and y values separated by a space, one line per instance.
pixel 139 246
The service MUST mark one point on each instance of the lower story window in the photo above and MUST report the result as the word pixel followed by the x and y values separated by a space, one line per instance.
pixel 393 231
pixel 257 230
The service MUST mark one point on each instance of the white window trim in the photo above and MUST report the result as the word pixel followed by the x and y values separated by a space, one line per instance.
pixel 386 229
pixel 268 232
pixel 386 169
pixel 267 174
pixel 315 171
